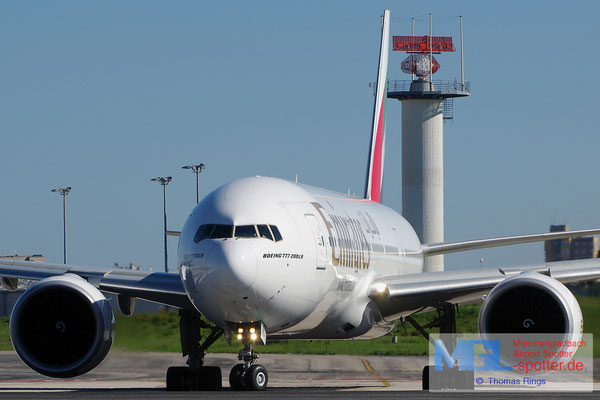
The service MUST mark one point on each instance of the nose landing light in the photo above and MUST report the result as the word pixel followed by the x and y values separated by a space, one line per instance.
pixel 247 332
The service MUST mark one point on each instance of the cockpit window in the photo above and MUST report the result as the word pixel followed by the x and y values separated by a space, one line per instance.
pixel 222 232
pixel 203 232
pixel 245 231
pixel 276 233
pixel 216 231
pixel 264 232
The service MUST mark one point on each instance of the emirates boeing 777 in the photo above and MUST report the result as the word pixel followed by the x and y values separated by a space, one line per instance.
pixel 266 259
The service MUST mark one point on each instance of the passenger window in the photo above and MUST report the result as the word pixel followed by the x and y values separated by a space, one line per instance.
pixel 245 231
pixel 264 232
pixel 222 231
pixel 276 233
pixel 203 232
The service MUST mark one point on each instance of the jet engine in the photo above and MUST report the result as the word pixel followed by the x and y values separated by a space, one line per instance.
pixel 62 326
pixel 530 303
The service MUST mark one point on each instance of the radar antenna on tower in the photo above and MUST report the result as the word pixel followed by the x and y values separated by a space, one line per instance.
pixel 421 49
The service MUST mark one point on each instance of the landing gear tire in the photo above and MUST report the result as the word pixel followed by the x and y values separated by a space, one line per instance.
pixel 236 378
pixel 425 378
pixel 256 377
pixel 176 378
pixel 186 379
pixel 448 379
pixel 212 378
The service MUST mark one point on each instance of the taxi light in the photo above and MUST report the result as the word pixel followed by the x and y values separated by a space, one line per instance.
pixel 252 330
pixel 253 336
pixel 239 336
pixel 240 330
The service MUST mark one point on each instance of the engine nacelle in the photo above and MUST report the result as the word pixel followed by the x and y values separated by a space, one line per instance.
pixel 530 303
pixel 62 326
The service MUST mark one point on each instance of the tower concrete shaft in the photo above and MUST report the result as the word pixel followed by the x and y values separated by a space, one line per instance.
pixel 423 172
pixel 423 156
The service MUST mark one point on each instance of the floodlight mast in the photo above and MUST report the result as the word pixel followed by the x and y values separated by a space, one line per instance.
pixel 164 181
pixel 196 168
pixel 64 192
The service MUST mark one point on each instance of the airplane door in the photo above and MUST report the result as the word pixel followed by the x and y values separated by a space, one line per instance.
pixel 319 237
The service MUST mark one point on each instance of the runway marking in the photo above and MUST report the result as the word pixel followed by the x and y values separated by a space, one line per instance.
pixel 371 370
pixel 359 379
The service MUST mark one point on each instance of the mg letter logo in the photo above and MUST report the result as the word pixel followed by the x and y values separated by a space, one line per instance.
pixel 464 352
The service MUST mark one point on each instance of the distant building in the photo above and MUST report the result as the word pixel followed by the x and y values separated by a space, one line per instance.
pixel 571 248
pixel 558 249
pixel 584 247
pixel 21 257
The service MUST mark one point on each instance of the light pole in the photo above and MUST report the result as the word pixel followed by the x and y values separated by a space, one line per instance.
pixel 197 168
pixel 164 182
pixel 64 192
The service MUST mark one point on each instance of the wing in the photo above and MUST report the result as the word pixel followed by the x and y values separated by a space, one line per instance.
pixel 160 287
pixel 452 247
pixel 403 295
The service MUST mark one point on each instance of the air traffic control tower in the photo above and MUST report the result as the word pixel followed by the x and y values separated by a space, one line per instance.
pixel 425 106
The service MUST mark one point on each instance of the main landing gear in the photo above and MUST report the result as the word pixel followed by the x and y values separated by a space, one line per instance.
pixel 248 376
pixel 450 378
pixel 195 376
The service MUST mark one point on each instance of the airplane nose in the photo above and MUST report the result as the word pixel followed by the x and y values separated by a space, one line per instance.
pixel 231 267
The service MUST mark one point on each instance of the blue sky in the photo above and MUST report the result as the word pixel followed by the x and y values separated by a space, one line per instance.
pixel 103 96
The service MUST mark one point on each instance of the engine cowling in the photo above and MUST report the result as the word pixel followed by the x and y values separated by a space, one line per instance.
pixel 530 303
pixel 62 326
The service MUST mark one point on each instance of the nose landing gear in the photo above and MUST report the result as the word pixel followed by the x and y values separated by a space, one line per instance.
pixel 248 376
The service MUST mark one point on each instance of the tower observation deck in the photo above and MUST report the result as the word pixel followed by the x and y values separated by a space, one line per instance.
pixel 424 89
pixel 425 105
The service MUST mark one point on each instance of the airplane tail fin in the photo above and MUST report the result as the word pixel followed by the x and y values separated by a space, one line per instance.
pixel 377 151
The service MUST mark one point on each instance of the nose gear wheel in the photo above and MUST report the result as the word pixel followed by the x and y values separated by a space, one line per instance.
pixel 248 376
pixel 236 378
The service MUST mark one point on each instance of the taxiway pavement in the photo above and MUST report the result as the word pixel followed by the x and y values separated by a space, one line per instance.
pixel 142 376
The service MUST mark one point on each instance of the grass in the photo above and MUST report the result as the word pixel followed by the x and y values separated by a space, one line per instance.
pixel 160 332
pixel 5 343
pixel 590 307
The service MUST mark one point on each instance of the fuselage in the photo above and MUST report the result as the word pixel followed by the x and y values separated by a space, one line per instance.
pixel 298 258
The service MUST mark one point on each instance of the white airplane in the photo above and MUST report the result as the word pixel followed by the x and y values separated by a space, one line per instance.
pixel 266 259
